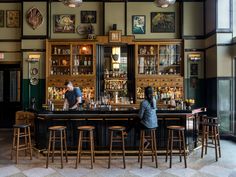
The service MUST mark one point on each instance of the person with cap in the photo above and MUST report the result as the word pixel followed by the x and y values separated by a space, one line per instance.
pixel 73 96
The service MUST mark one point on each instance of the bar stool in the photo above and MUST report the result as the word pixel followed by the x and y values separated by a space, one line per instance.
pixel 211 130
pixel 17 135
pixel 53 138
pixel 88 139
pixel 180 139
pixel 120 139
pixel 152 138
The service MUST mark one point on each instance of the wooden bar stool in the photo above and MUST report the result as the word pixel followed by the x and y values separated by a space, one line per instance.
pixel 150 138
pixel 211 129
pixel 17 136
pixel 88 139
pixel 119 139
pixel 53 139
pixel 180 139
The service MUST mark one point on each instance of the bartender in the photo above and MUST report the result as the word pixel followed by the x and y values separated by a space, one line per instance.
pixel 73 96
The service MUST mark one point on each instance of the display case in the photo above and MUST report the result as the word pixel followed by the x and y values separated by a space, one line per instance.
pixel 159 59
pixel 159 64
pixel 70 61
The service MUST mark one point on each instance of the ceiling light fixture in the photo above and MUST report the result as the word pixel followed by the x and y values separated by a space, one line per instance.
pixel 164 3
pixel 72 3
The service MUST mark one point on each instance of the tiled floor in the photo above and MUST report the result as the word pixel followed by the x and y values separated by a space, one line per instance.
pixel 197 167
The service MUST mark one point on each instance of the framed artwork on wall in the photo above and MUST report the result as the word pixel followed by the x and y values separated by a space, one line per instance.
pixel 1 18
pixel 88 16
pixel 162 22
pixel 13 19
pixel 34 17
pixel 138 24
pixel 64 23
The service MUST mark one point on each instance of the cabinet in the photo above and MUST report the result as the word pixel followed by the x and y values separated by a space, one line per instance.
pixel 159 64
pixel 70 61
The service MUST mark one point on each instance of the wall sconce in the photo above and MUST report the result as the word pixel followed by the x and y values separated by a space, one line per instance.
pixel 33 57
pixel 72 3
pixel 164 3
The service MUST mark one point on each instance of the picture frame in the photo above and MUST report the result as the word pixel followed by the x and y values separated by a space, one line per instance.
pixel 88 16
pixel 34 17
pixel 115 36
pixel 162 22
pixel 138 24
pixel 12 18
pixel 64 23
pixel 1 18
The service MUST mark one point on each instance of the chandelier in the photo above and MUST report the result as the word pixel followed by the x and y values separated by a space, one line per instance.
pixel 72 3
pixel 164 3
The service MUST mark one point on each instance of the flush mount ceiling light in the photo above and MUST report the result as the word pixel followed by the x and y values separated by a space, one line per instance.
pixel 72 3
pixel 164 3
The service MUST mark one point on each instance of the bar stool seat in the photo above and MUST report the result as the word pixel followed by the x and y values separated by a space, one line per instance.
pixel 17 135
pixel 89 139
pixel 180 139
pixel 118 129
pixel 52 140
pixel 210 128
pixel 152 138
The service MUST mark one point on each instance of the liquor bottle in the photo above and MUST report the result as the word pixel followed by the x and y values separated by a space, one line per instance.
pixel 85 61
pixel 89 62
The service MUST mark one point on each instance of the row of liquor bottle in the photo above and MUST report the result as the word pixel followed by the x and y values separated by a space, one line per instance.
pixel 163 49
pixel 115 85
pixel 163 93
pixel 75 71
pixel 82 60
pixel 60 71
pixel 58 93
pixel 76 50
pixel 115 74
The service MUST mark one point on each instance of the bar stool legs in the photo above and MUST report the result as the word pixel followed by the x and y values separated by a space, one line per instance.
pixel 52 139
pixel 214 127
pixel 152 137
pixel 17 135
pixel 116 139
pixel 180 139
pixel 82 139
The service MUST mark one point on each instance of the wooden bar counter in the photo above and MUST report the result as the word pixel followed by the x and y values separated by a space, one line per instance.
pixel 103 118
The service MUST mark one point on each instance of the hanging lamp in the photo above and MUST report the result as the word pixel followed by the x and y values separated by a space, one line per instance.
pixel 164 3
pixel 72 3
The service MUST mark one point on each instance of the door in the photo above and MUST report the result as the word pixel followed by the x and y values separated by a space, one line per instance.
pixel 10 97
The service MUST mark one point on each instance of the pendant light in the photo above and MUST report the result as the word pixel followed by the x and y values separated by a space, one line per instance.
pixel 72 3
pixel 164 3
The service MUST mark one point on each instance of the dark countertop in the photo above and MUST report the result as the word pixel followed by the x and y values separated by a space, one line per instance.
pixel 114 113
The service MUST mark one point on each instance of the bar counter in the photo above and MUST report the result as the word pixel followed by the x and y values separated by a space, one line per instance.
pixel 103 118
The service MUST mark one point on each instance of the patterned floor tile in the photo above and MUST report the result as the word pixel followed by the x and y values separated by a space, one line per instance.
pixel 216 170
pixel 8 171
pixel 38 172
pixel 181 172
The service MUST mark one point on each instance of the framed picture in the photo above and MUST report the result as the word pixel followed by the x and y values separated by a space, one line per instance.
pixel 88 17
pixel 138 24
pixel 162 22
pixel 13 19
pixel 1 18
pixel 115 36
pixel 34 17
pixel 64 23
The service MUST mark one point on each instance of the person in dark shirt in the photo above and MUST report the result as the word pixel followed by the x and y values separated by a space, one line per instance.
pixel 73 96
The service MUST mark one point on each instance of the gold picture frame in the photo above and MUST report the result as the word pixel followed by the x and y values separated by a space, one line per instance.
pixel 13 19
pixel 115 36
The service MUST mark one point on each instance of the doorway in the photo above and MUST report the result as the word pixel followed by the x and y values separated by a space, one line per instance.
pixel 10 97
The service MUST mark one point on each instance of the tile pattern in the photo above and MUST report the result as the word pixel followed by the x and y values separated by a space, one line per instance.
pixel 206 167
